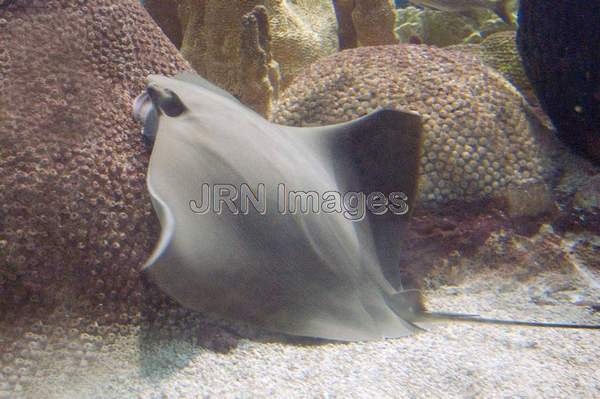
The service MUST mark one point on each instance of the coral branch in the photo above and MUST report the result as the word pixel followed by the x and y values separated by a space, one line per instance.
pixel 365 22
pixel 259 78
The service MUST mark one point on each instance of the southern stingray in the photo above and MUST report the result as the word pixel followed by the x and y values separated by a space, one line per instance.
pixel 325 271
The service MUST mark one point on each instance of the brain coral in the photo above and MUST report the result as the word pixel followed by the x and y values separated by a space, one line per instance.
pixel 75 218
pixel 499 51
pixel 477 136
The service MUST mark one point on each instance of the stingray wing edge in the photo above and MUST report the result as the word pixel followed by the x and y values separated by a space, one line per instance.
pixel 167 224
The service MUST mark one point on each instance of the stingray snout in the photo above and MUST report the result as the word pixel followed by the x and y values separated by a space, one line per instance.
pixel 150 104
pixel 165 100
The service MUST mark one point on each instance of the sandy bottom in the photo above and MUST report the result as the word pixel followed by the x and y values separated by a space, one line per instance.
pixel 449 360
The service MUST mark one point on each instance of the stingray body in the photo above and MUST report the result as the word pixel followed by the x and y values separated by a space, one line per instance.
pixel 319 271
pixel 309 273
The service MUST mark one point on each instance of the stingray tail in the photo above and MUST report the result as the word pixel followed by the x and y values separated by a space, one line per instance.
pixel 443 316
pixel 501 9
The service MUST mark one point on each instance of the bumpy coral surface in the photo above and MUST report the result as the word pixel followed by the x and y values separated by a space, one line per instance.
pixel 499 51
pixel 302 32
pixel 259 83
pixel 76 222
pixel 442 28
pixel 365 22
pixel 478 139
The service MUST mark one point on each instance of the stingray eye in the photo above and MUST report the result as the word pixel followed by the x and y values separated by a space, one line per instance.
pixel 172 104
pixel 166 100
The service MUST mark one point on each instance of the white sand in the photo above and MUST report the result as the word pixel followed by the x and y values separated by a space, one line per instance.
pixel 451 361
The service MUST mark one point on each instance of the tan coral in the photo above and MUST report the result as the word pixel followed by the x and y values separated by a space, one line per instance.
pixel 302 32
pixel 211 39
pixel 441 28
pixel 478 139
pixel 259 84
pixel 365 22
pixel 499 51
pixel 374 21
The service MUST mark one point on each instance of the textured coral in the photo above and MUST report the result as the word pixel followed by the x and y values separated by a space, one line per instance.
pixel 76 222
pixel 478 139
pixel 259 84
pixel 499 51
pixel 586 249
pixel 374 21
pixel 302 32
pixel 442 29
pixel 365 22
pixel 211 38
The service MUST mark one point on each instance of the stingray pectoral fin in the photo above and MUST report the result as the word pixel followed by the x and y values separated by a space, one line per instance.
pixel 383 149
pixel 167 223
pixel 377 153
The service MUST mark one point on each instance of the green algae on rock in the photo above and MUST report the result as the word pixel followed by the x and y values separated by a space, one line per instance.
pixel 478 140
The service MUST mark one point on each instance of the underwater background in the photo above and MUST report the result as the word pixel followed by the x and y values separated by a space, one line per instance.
pixel 506 221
